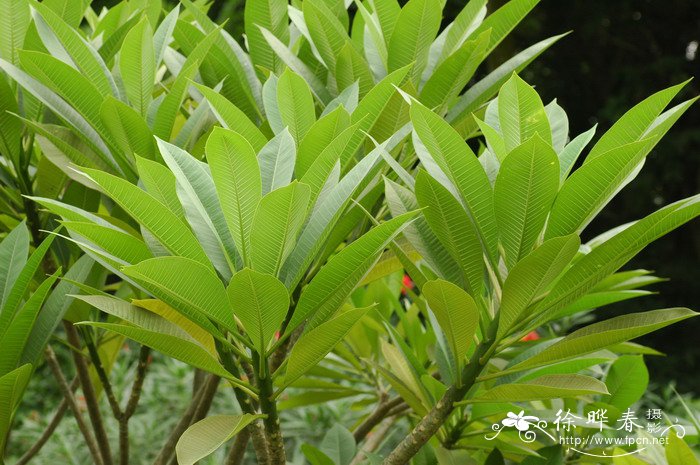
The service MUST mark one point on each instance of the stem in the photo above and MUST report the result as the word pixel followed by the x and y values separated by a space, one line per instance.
pixel 93 407
pixel 70 399
pixel 272 422
pixel 431 423
pixel 376 417
pixel 133 401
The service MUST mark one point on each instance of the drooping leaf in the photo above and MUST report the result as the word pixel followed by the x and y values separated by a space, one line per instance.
pixel 207 435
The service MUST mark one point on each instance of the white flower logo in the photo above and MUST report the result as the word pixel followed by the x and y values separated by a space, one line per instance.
pixel 520 421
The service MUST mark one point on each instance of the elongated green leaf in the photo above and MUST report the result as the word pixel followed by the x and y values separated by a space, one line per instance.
pixel 544 387
pixel 350 68
pixel 234 168
pixel 62 40
pixel 207 435
pixel 137 64
pixel 593 185
pixel 678 452
pixel 627 381
pixel 457 161
pixel 13 28
pixel 324 217
pixel 634 124
pixel 466 22
pixel 261 302
pixel 604 334
pixel 503 21
pixel 231 117
pixel 116 243
pixel 180 349
pixel 160 182
pixel 315 344
pixel 525 189
pixel 531 277
pixel 12 386
pixel 128 129
pixel 22 283
pixel 570 153
pixel 521 113
pixel 187 286
pixel 454 73
pixel 453 228
pixel 415 29
pixel 373 104
pixel 296 104
pixel 272 15
pixel 17 333
pixel 10 125
pixel 457 314
pixel 13 256
pixel 319 137
pixel 198 196
pixel 153 215
pixel 335 281
pixel 481 92
pixel 327 33
pixel 276 225
pixel 54 308
pixel 277 160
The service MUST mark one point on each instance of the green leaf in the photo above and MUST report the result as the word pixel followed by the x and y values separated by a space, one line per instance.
pixel 63 40
pixel 186 285
pixel 272 15
pixel 609 256
pixel 234 168
pixel 13 28
pixel 449 222
pixel 315 344
pixel 10 125
pixel 503 21
pixel 593 185
pixel 525 189
pixel 605 333
pixel 678 452
pixel 152 214
pixel 12 386
pixel 231 117
pixel 331 286
pixel 634 125
pixel 460 113
pixel 373 104
pixel 463 26
pixel 296 104
pixel 339 445
pixel 55 307
pixel 198 196
pixel 544 387
pixel 276 225
pixel 457 314
pixel 315 456
pixel 277 160
pixel 415 29
pixel 14 338
pixel 460 165
pixel 327 33
pixel 454 73
pixel 160 182
pixel 207 435
pixel 13 256
pixel 319 137
pixel 351 68
pixel 117 243
pixel 128 129
pixel 627 381
pixel 137 64
pixel 521 113
pixel 570 153
pixel 261 302
pixel 186 351
pixel 530 278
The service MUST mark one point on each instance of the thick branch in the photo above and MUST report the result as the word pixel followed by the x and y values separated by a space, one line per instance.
pixel 431 423
pixel 376 417
pixel 240 444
